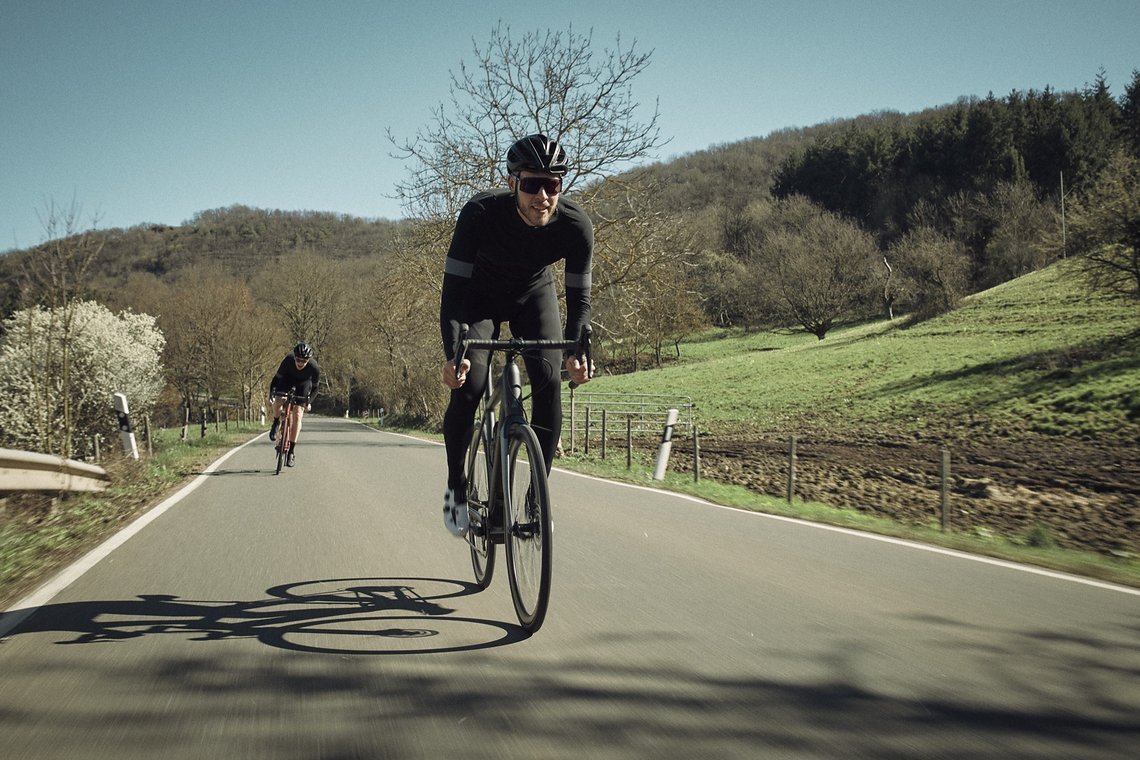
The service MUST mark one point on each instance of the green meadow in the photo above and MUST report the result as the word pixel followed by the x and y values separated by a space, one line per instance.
pixel 1038 353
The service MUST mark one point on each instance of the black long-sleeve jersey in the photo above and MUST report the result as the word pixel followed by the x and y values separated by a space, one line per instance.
pixel 496 258
pixel 305 380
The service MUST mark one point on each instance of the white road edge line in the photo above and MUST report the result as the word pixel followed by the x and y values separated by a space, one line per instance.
pixel 27 606
pixel 852 532
pixel 885 539
pixel 13 616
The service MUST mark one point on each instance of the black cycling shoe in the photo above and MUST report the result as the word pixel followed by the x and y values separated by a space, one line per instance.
pixel 273 430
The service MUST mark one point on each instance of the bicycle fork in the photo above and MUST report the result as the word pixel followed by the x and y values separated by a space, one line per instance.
pixel 512 414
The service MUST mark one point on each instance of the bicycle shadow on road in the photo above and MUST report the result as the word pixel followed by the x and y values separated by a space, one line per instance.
pixel 367 616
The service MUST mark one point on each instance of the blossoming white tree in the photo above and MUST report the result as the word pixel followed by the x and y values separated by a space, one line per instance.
pixel 63 365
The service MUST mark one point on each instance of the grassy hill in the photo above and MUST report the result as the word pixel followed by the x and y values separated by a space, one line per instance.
pixel 1033 387
pixel 1038 354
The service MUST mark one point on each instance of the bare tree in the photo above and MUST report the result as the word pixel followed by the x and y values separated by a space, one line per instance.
pixel 554 82
pixel 251 352
pixel 642 266
pixel 551 82
pixel 308 294
pixel 934 271
pixel 348 357
pixel 1104 226
pixel 404 329
pixel 890 290
pixel 219 340
pixel 58 270
pixel 817 267
pixel 1020 221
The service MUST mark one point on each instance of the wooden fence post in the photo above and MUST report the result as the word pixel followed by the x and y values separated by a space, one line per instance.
pixel 628 442
pixel 605 431
pixel 573 419
pixel 696 456
pixel 944 476
pixel 586 434
pixel 791 468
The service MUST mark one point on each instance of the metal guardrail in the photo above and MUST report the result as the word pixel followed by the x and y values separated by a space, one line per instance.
pixel 27 471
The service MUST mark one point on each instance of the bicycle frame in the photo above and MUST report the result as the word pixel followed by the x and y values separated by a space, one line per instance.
pixel 287 422
pixel 504 447
pixel 509 399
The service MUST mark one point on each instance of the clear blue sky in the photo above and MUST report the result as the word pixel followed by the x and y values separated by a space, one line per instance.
pixel 153 110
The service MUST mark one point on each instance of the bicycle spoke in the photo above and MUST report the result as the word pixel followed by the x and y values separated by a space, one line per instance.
pixel 478 497
pixel 528 532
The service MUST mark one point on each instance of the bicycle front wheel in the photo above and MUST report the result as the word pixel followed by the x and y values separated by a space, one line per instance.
pixel 283 436
pixel 281 450
pixel 479 507
pixel 528 529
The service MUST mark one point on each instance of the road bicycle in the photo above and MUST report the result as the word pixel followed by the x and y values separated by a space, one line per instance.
pixel 508 496
pixel 288 423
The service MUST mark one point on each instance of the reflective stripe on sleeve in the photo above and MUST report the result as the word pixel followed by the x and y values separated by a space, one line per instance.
pixel 576 280
pixel 458 268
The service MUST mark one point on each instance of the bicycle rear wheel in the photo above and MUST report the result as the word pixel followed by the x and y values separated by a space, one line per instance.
pixel 478 506
pixel 528 529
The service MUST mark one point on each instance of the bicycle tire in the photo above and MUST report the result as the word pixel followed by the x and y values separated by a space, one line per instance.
pixel 479 467
pixel 283 436
pixel 528 528
pixel 280 455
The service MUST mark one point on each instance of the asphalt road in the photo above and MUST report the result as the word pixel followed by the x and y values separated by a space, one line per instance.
pixel 325 613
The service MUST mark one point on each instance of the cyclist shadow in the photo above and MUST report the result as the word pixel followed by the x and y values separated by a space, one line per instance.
pixel 343 616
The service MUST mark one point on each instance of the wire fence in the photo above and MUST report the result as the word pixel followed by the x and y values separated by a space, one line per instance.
pixel 596 416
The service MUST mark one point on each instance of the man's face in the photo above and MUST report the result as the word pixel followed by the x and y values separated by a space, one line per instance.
pixel 537 206
pixel 300 362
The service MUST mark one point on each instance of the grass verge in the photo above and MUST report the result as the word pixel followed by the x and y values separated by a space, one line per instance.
pixel 41 533
pixel 1032 549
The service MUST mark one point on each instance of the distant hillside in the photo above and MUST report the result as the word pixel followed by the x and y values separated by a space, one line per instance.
pixel 735 174
pixel 244 240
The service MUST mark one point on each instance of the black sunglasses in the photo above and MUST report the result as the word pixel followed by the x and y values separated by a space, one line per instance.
pixel 531 185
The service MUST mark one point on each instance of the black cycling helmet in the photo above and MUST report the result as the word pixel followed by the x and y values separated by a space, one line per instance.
pixel 302 351
pixel 538 153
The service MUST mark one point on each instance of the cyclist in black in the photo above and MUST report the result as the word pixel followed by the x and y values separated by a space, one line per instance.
pixel 498 269
pixel 299 373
